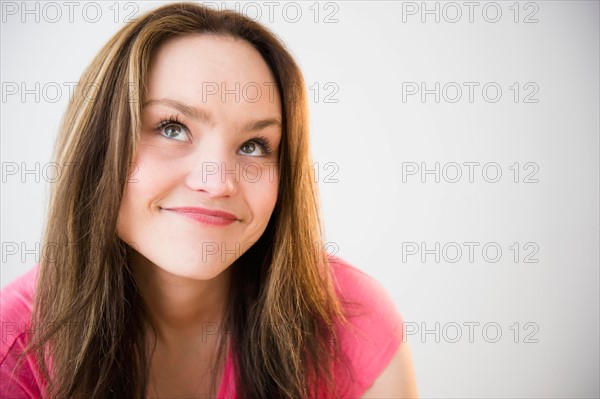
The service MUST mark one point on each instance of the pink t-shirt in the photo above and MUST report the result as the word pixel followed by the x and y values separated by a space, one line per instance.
pixel 369 341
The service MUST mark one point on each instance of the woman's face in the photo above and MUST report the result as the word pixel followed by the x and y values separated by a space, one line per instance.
pixel 211 128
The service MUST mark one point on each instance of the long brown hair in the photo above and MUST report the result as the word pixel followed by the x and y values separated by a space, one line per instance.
pixel 88 314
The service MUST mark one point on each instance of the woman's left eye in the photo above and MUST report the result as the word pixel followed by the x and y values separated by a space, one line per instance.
pixel 257 147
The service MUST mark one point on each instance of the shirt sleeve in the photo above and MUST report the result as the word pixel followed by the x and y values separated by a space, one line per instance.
pixel 21 383
pixel 374 332
pixel 15 312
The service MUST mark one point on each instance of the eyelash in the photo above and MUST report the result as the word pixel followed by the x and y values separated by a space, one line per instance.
pixel 262 141
pixel 172 120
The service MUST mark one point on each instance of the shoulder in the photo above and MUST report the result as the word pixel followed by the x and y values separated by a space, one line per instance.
pixel 373 334
pixel 364 298
pixel 16 300
pixel 353 283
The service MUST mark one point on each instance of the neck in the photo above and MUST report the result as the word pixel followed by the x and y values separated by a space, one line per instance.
pixel 181 310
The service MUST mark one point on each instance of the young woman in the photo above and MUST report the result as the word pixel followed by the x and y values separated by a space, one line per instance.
pixel 183 255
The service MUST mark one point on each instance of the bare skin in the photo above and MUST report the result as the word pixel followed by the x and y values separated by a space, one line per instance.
pixel 183 371
pixel 185 290
pixel 181 362
pixel 397 380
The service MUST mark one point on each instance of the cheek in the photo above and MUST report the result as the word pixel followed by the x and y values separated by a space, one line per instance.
pixel 263 193
pixel 125 216
pixel 132 208
pixel 270 191
pixel 146 181
pixel 151 176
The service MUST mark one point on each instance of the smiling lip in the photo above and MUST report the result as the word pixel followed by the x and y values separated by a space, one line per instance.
pixel 207 216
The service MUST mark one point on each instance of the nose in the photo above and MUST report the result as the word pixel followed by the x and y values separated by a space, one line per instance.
pixel 214 173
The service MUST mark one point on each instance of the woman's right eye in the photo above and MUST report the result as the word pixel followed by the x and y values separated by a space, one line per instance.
pixel 173 130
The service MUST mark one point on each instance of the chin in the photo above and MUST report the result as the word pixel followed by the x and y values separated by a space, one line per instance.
pixel 197 271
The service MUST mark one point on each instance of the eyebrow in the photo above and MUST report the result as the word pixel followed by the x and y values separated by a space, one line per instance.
pixel 202 115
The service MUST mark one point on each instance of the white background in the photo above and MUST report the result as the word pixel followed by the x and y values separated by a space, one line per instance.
pixel 369 136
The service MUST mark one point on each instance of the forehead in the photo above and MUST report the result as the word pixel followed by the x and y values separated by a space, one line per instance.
pixel 203 69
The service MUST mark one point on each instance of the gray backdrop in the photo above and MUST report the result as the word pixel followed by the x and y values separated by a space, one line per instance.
pixel 456 150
